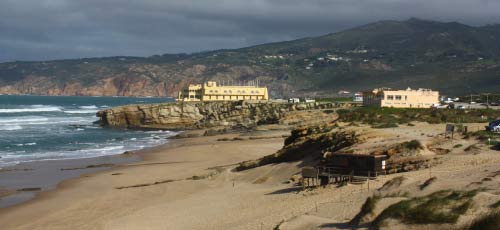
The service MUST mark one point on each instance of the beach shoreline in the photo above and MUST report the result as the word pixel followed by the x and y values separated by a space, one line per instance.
pixel 185 160
pixel 22 182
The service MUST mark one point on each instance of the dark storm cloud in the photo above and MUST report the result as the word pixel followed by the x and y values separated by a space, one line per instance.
pixel 52 29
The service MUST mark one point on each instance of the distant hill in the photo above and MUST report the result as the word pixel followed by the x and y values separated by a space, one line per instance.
pixel 451 57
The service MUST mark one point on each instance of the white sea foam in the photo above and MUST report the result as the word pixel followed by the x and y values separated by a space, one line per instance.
pixel 88 107
pixel 23 119
pixel 80 111
pixel 10 127
pixel 26 144
pixel 32 109
pixel 36 120
pixel 104 149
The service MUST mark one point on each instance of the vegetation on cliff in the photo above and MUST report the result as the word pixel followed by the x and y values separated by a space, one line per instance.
pixel 306 144
pixel 380 116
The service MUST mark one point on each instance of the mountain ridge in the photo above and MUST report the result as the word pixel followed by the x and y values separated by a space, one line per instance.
pixel 448 56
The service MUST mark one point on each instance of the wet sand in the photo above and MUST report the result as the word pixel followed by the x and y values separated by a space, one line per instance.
pixel 21 182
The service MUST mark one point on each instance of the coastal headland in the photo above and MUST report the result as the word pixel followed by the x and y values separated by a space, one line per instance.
pixel 196 115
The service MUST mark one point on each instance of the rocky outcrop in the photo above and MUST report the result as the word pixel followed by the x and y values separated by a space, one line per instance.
pixel 306 143
pixel 205 114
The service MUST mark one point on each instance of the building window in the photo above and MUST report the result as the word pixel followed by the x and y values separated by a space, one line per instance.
pixel 398 97
pixel 406 98
pixel 390 97
pixel 230 91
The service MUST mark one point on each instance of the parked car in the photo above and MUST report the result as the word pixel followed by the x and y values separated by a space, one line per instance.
pixel 460 107
pixel 494 104
pixel 494 126
pixel 439 106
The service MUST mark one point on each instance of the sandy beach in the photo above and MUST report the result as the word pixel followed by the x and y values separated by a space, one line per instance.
pixel 164 179
pixel 188 184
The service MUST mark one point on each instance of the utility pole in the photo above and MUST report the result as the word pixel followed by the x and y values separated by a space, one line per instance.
pixel 487 100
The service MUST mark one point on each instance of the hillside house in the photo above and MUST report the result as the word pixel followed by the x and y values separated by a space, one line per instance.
pixel 409 98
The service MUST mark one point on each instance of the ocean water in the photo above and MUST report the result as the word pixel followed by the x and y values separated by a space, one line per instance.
pixel 34 128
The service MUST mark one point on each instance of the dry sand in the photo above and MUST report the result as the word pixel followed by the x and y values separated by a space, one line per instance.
pixel 160 192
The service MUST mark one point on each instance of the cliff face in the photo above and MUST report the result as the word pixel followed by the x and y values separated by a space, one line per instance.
pixel 102 78
pixel 208 114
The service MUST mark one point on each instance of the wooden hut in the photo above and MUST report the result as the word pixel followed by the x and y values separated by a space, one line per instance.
pixel 360 165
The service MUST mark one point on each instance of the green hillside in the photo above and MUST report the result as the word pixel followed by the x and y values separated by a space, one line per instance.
pixel 450 57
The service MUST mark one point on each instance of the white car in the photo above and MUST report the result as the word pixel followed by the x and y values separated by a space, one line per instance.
pixel 439 106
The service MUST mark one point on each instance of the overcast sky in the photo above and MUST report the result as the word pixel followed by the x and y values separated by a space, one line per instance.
pixel 56 29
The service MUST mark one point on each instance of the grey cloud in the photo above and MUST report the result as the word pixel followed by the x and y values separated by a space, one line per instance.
pixel 54 29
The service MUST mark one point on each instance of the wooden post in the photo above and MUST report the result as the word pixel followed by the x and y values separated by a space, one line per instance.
pixel 430 171
pixel 328 177
pixel 318 183
pixel 368 181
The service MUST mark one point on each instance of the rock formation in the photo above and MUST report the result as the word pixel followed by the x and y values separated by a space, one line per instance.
pixel 194 115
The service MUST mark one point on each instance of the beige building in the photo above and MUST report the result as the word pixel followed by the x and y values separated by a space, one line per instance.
pixel 210 91
pixel 409 98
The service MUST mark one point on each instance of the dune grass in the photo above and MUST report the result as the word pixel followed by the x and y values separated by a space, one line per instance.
pixel 487 222
pixel 441 207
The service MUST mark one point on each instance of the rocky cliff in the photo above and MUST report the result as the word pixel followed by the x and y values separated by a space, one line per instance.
pixel 208 114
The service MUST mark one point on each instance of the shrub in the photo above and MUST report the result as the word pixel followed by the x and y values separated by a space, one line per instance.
pixel 487 222
pixel 374 115
pixel 440 207
pixel 428 182
pixel 413 145
pixel 495 205
pixel 385 125
pixel 367 209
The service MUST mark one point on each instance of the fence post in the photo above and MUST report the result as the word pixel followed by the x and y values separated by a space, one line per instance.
pixel 368 181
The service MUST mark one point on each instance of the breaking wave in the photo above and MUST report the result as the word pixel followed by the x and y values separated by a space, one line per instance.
pixel 32 109
pixel 10 127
